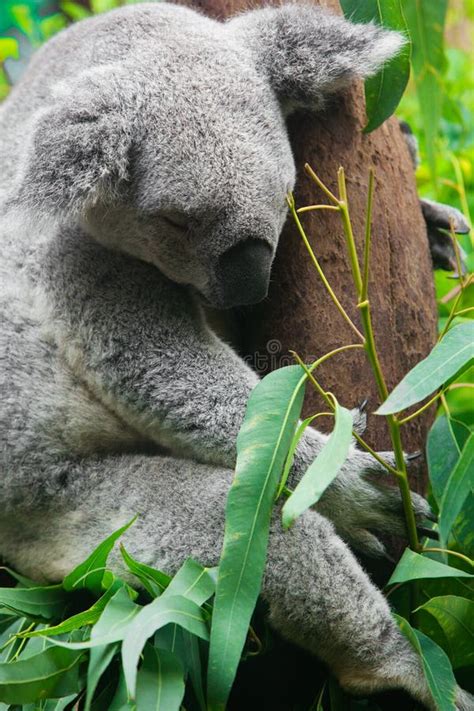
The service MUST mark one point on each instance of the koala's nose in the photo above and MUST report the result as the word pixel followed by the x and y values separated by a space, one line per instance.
pixel 244 272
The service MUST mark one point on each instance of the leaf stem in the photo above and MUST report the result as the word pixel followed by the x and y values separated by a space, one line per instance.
pixel 310 208
pixel 330 402
pixel 368 236
pixel 424 407
pixel 320 184
pixel 337 303
pixel 446 550
pixel 350 241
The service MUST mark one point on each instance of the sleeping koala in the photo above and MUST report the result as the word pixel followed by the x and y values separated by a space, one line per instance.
pixel 145 168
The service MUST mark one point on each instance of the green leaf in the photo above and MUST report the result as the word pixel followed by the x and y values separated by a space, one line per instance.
pixel 291 453
pixel 82 619
pixel 436 666
pixel 160 683
pixel 384 90
pixel 192 581
pixel 460 484
pixel 41 603
pixel 40 676
pixel 262 446
pixel 185 647
pixel 442 453
pixel 425 22
pixel 162 611
pixel 90 573
pixel 153 580
pixel 449 356
pixel 117 615
pixel 8 48
pixel 413 566
pixel 323 470
pixel 455 616
pixel 75 11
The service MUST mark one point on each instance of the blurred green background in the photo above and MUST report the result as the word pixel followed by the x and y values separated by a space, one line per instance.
pixel 444 126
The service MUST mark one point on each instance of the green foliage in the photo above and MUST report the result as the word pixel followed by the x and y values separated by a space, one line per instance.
pixel 96 640
pixel 453 354
pixel 262 447
pixel 323 470
pixel 383 91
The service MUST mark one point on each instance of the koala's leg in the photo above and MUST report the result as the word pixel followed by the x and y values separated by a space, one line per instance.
pixel 318 594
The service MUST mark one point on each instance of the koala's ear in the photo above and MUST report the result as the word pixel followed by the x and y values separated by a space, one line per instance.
pixel 307 53
pixel 77 154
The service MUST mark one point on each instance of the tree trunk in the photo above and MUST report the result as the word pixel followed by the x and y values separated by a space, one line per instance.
pixel 298 313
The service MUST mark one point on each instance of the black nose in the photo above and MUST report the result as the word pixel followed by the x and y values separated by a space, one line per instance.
pixel 244 272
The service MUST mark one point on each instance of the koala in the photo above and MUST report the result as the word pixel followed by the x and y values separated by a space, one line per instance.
pixel 146 164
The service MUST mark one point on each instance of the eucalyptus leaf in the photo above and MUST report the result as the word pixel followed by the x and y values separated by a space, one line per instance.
pixel 454 352
pixel 413 566
pixel 90 573
pixel 459 486
pixel 160 683
pixel 153 580
pixel 40 603
pixel 425 22
pixel 384 90
pixel 162 611
pixel 436 666
pixel 192 581
pixel 323 470
pixel 263 443
pixel 455 616
pixel 442 453
pixel 40 676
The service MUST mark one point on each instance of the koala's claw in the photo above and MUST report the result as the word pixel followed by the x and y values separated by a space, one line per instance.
pixel 429 532
pixel 359 417
pixel 413 455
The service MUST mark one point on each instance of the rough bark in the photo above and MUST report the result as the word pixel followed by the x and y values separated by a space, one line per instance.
pixel 298 314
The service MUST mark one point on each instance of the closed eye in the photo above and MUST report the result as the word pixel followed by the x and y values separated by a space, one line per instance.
pixel 176 220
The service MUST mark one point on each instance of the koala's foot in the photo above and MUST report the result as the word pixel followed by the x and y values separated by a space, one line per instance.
pixel 361 507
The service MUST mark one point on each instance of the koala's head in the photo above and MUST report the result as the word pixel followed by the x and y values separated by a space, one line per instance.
pixel 172 145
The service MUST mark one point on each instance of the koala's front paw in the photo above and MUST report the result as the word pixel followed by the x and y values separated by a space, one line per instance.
pixel 360 507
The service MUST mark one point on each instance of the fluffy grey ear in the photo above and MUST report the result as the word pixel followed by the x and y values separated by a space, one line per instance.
pixel 307 52
pixel 77 152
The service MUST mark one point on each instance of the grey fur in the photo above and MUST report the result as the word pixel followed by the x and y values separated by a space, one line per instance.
pixel 138 150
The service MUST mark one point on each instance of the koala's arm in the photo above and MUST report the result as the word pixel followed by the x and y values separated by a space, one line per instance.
pixel 142 346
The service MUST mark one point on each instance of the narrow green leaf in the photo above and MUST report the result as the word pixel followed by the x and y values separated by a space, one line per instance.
pixel 90 573
pixel 113 623
pixel 192 581
pixel 75 11
pixel 153 580
pixel 117 615
pixel 39 677
pixel 160 683
pixel 323 470
pixel 162 611
pixel 82 619
pixel 291 453
pixel 460 484
pixel 185 647
pixel 450 355
pixel 436 666
pixel 8 48
pixel 41 603
pixel 384 90
pixel 425 22
pixel 413 566
pixel 262 446
pixel 455 616
pixel 442 453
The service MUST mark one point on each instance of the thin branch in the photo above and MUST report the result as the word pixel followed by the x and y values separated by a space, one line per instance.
pixel 424 407
pixel 337 303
